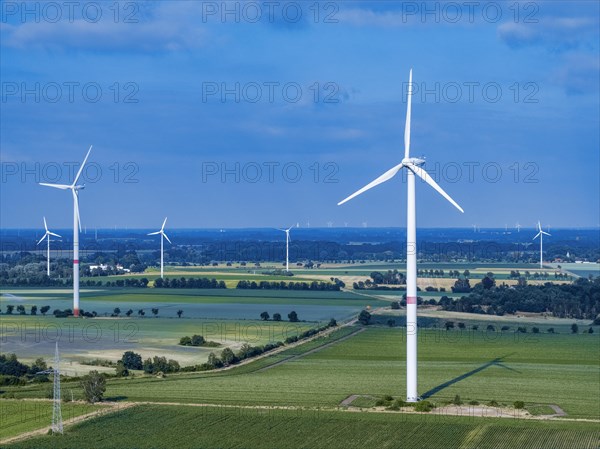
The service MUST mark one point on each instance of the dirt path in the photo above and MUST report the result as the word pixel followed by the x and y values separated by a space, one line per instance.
pixel 109 407
pixel 312 351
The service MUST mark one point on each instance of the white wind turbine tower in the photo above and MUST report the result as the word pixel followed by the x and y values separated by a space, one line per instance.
pixel 413 167
pixel 47 237
pixel 287 247
pixel 162 234
pixel 541 235
pixel 518 226
pixel 74 188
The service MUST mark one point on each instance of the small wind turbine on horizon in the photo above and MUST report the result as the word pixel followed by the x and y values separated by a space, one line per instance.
pixel 47 237
pixel 287 247
pixel 162 234
pixel 413 167
pixel 74 188
pixel 541 235
pixel 518 226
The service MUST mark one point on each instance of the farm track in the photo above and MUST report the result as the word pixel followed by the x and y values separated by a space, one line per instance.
pixel 312 351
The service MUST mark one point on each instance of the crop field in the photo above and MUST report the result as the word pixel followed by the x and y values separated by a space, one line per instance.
pixel 17 417
pixel 480 366
pixel 182 427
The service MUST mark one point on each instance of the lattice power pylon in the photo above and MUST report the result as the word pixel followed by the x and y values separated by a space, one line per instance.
pixel 57 422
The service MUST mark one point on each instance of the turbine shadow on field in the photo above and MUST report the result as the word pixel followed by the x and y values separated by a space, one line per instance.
pixel 496 362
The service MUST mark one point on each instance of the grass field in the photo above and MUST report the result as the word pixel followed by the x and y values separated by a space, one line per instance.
pixel 23 416
pixel 183 427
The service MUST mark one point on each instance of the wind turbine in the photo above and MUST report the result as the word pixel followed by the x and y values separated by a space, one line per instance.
pixel 541 235
pixel 413 167
pixel 47 237
pixel 74 188
pixel 287 247
pixel 518 226
pixel 162 234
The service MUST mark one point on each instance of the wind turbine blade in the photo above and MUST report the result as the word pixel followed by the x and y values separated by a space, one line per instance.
pixel 536 236
pixel 43 237
pixel 55 235
pixel 45 224
pixel 154 233
pixel 165 235
pixel 82 165
pixel 164 223
pixel 408 110
pixel 421 173
pixel 76 205
pixel 386 176
pixel 545 233
pixel 56 186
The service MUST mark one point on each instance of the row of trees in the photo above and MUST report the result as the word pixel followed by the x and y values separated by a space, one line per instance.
pixel 580 300
pixel 188 283
pixel 277 285
pixel 292 316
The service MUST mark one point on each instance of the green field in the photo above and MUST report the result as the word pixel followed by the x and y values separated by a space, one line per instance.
pixel 23 416
pixel 477 366
pixel 172 427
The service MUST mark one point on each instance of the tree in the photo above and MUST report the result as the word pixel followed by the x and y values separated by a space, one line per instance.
pixel 185 341
pixel 117 311
pixel 364 317
pixel 131 360
pixel 197 340
pixel 94 386
pixel 466 274
pixel 293 316
pixel 129 312
pixel 449 325
pixel 550 330
pixel 332 322
pixel 535 330
pixel 461 325
pixel 214 361
pixel 574 328
pixel 590 331
pixel 228 357
pixel 395 305
pixel 265 316
pixel 141 312
pixel 21 309
pixel 121 371
pixel 44 310
pixel 488 282
pixel 155 311
pixel 490 328
pixel 179 313
pixel 34 310
pixel 9 309
pixel 277 317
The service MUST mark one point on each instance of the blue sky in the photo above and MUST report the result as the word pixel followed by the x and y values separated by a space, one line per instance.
pixel 509 126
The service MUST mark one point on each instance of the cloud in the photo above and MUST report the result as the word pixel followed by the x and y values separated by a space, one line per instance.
pixel 554 33
pixel 579 74
pixel 164 27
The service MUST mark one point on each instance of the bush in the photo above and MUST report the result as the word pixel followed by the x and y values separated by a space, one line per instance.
pixel 493 403
pixel 423 406
pixel 131 360
pixel 473 402
pixel 535 330
pixel 457 400
pixel 519 405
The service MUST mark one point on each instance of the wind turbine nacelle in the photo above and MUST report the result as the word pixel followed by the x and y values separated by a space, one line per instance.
pixel 81 187
pixel 414 161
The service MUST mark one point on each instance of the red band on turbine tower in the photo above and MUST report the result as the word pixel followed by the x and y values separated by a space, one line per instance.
pixel 411 300
pixel 75 261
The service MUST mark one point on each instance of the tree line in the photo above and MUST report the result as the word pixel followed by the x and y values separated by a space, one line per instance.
pixel 282 285
pixel 580 300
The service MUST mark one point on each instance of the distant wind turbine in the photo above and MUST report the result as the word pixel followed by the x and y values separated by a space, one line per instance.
pixel 47 237
pixel 287 247
pixel 541 235
pixel 518 226
pixel 413 167
pixel 74 188
pixel 162 234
